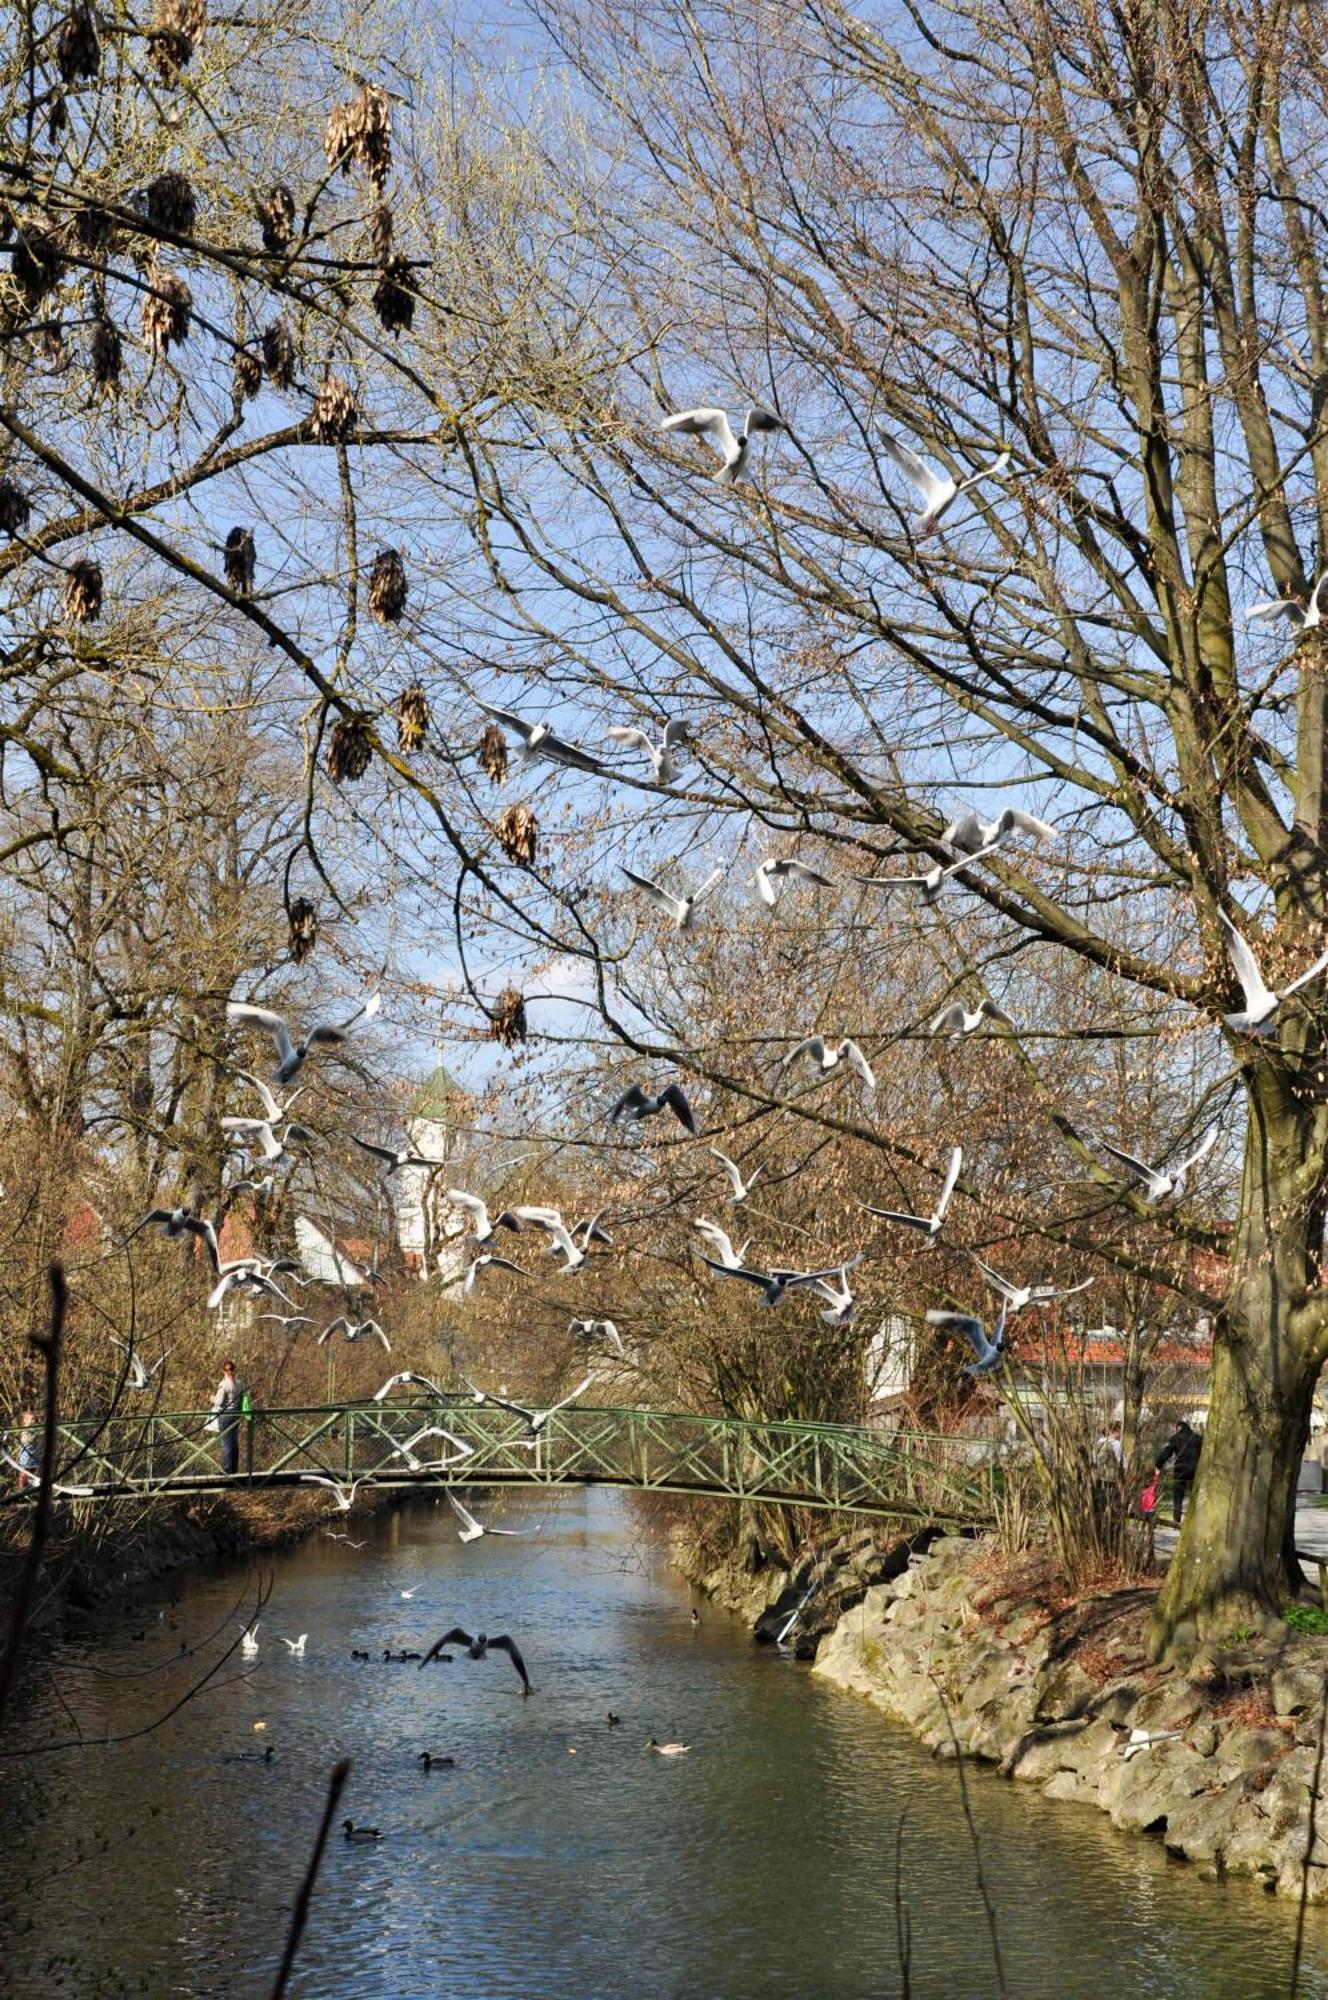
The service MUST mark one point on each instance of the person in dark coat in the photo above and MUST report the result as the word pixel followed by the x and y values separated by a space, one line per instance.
pixel 1181 1453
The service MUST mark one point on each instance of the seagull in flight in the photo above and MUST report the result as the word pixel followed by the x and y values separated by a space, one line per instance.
pixel 780 869
pixel 588 1231
pixel 715 424
pixel 184 1222
pixel 929 884
pixel 774 1283
pixel 677 735
pixel 257 1135
pixel 957 1020
pixel 598 1329
pixel 1302 617
pixel 291 1056
pixel 354 1330
pixel 416 1464
pixel 637 1103
pixel 1158 1181
pixel 405 1156
pixel 478 1264
pixel 731 1259
pixel 139 1376
pixel 481 1644
pixel 471 1530
pixel 484 1224
pixel 987 1354
pixel 930 1225
pixel 288 1319
pixel 827 1058
pixel 1016 1297
pixel 535 1419
pixel 538 740
pixel 681 910
pixel 1261 1002
pixel 273 1112
pixel 343 1494
pixel 840 1300
pixel 974 837
pixel 250 1274
pixel 408 1375
pixel 741 1188
pixel 936 490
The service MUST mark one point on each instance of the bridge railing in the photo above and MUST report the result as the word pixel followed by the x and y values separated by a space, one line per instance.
pixel 430 1441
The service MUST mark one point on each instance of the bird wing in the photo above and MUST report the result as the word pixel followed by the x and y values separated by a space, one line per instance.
pixel 504 1264
pixel 337 1031
pixel 632 1099
pixel 340 1325
pixel 994 1278
pixel 719 1237
pixel 563 1401
pixel 562 1241
pixel 965 1324
pixel 928 485
pixel 387 1153
pixel 524 730
pixel 200 1227
pixel 543 1218
pixel 674 905
pixel 765 888
pixel 695 423
pixel 467 1521
pixel 1201 1152
pixel 995 1013
pixel 735 1178
pixel 504 1644
pixel 472 1202
pixel 921 1222
pixel 952 1174
pixel 761 1278
pixel 614 1338
pixel 272 1111
pixel 456 1637
pixel 679 730
pixel 806 874
pixel 759 418
pixel 813 1046
pixel 1274 607
pixel 716 875
pixel 839 1271
pixel 243 1015
pixel 1311 973
pixel 992 471
pixel 676 1100
pixel 950 1019
pixel 1245 966
pixel 637 738
pixel 1044 1294
pixel 1139 1168
pixel 559 751
pixel 1012 820
pixel 964 834
pixel 857 1061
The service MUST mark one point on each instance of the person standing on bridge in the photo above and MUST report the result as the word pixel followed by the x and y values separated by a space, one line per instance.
pixel 227 1406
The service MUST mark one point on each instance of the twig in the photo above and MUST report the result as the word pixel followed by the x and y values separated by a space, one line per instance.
pixel 49 1349
pixel 903 1928
pixel 1309 1848
pixel 300 1915
pixel 969 1821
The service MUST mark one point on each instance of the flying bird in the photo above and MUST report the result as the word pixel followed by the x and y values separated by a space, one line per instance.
pixel 535 1419
pixel 841 1304
pixel 257 1136
pixel 677 735
pixel 405 1156
pixel 139 1376
pixel 780 869
pixel 971 836
pixel 987 1354
pixel 956 1019
pixel 416 1464
pixel 291 1056
pixel 680 910
pixel 354 1330
pixel 288 1319
pixel 827 1058
pixel 741 1188
pixel 484 1224
pixel 470 1531
pixel 183 1222
pixel 538 740
pixel 1016 1297
pixel 929 883
pixel 480 1645
pixel 1261 1002
pixel 774 1283
pixel 636 1103
pixel 715 424
pixel 344 1495
pixel 930 1225
pixel 936 490
pixel 598 1329
pixel 1158 1181
pixel 408 1375
pixel 1302 617
pixel 588 1230
pixel 478 1264
pixel 731 1259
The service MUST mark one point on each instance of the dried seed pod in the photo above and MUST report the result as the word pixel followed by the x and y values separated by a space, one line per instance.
pixel 518 834
pixel 166 311
pixel 493 754
pixel 387 586
pixel 380 232
pixel 279 355
pixel 172 204
pixel 57 118
pixel 393 300
pixel 78 46
pixel 37 265
pixel 175 30
pixel 302 919
pixel 360 133
pixel 507 1023
pixel 239 557
pixel 334 414
pixel 14 508
pixel 412 718
pixel 248 378
pixel 82 592
pixel 105 353
pixel 276 215
pixel 349 750
pixel 53 346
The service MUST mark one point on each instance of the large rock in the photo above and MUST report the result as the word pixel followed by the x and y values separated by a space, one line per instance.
pixel 1143 1791
pixel 1066 1691
pixel 1297 1689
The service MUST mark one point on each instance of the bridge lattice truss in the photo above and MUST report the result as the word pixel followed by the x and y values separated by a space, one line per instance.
pixel 905 1474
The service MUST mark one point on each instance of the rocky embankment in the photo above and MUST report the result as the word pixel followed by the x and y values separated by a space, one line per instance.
pixel 996 1659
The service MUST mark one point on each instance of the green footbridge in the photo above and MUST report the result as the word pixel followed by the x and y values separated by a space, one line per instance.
pixel 440 1442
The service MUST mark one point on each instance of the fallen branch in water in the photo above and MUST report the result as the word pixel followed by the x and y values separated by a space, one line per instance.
pixel 300 1915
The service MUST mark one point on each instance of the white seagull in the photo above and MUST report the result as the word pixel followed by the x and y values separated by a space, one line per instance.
pixel 538 740
pixel 535 1419
pixel 291 1056
pixel 257 1136
pixel 681 910
pixel 408 1375
pixel 929 884
pixel 484 1224
pixel 715 424
pixel 636 1103
pixel 273 1113
pixel 139 1376
pixel 840 1300
pixel 719 1239
pixel 354 1330
pixel 417 1464
pixel 405 1156
pixel 296 1646
pixel 1016 1297
pixel 780 869
pixel 1158 1181
pixel 936 490
pixel 930 1225
pixel 183 1222
pixel 987 1354
pixel 971 836
pixel 1261 1002
pixel 471 1529
pixel 677 735
pixel 478 1264
pixel 956 1019
pixel 1302 617
pixel 827 1058
pixel 741 1188
pixel 598 1329
pixel 249 1641
pixel 343 1494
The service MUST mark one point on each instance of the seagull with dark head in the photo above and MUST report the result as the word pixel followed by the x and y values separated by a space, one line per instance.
pixel 480 1645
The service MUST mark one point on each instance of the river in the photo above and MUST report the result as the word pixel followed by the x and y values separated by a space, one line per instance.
pixel 760 1865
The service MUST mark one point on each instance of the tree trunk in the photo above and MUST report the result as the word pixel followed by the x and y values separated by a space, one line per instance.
pixel 1230 1568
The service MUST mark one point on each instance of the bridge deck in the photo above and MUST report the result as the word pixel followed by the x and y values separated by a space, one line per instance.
pixel 159 1455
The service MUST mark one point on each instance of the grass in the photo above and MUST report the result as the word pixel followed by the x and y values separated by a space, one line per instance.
pixel 1306 1618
